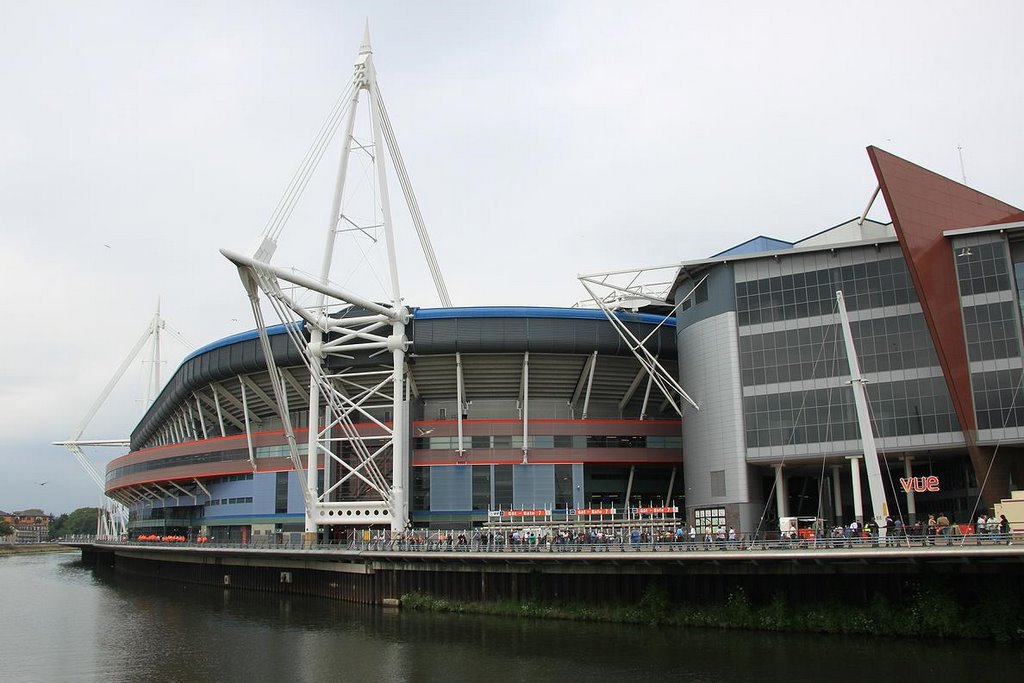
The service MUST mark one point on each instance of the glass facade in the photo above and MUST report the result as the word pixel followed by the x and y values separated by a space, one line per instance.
pixel 872 284
pixel 793 362
pixel 578 441
pixel 990 298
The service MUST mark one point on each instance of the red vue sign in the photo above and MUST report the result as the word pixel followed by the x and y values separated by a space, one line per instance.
pixel 928 484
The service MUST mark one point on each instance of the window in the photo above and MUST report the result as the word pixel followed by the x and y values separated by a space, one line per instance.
pixel 281 494
pixel 708 519
pixel 481 487
pixel 700 295
pixel 420 488
pixel 503 486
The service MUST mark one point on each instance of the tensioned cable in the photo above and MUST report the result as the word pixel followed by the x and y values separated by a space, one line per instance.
pixel 403 177
pixel 300 179
pixel 311 160
pixel 875 426
pixel 828 415
pixel 792 433
pixel 995 452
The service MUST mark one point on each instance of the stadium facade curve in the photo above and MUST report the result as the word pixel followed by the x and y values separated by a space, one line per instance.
pixel 935 303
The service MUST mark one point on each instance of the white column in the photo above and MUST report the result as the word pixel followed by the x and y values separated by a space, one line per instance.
pixel 526 405
pixel 781 493
pixel 858 500
pixel 459 398
pixel 399 427
pixel 911 504
pixel 837 493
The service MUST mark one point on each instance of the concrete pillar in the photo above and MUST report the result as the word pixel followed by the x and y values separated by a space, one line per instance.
pixel 911 505
pixel 858 500
pixel 781 493
pixel 837 493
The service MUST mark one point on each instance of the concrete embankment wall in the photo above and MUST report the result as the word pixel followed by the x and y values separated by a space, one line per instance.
pixel 591 579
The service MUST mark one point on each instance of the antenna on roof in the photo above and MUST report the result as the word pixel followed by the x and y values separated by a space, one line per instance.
pixel 874 196
pixel 963 173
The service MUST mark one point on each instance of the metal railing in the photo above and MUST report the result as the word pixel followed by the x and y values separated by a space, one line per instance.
pixel 472 542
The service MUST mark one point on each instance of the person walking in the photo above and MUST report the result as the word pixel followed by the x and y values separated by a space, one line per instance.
pixel 943 526
pixel 1004 530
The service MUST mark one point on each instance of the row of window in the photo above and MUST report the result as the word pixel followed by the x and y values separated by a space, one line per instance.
pixel 883 344
pixel 230 501
pixel 991 331
pixel 786 297
pixel 982 268
pixel 577 441
pixel 229 477
pixel 555 487
pixel 176 461
pixel 897 409
pixel 423 443
pixel 998 401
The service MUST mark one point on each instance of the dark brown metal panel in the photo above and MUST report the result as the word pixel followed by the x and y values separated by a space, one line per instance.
pixel 922 205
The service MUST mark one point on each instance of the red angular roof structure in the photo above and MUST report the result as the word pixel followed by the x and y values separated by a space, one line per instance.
pixel 923 205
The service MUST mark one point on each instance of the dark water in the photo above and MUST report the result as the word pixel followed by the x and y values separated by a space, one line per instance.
pixel 63 622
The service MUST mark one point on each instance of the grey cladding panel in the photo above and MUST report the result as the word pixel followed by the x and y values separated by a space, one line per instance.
pixel 546 335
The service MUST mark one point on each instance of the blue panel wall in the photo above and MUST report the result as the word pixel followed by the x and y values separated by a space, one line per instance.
pixel 577 486
pixel 295 502
pixel 264 492
pixel 533 487
pixel 230 489
pixel 451 488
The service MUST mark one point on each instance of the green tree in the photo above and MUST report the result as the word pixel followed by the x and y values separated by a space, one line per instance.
pixel 81 521
pixel 5 528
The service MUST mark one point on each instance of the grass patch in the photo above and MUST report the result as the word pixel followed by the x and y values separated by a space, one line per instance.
pixel 928 613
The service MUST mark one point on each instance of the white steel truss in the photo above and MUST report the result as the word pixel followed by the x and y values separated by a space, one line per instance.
pixel 348 330
pixel 112 521
pixel 614 291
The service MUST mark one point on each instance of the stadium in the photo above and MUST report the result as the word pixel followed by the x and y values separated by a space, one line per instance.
pixel 556 416
pixel 356 413
pixel 547 414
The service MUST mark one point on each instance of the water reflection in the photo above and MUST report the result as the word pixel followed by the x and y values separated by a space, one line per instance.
pixel 103 626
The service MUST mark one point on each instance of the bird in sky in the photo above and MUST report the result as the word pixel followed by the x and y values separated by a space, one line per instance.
pixel 423 432
pixel 41 483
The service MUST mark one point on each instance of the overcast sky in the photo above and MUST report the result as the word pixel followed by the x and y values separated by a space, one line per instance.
pixel 544 139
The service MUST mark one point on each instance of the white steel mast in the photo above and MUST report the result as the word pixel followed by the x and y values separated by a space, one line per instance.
pixel 114 515
pixel 355 325
pixel 879 508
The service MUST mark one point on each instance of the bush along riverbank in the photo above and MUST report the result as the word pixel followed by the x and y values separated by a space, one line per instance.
pixel 31 548
pixel 928 613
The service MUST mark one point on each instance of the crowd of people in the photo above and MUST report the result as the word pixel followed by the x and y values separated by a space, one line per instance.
pixel 936 530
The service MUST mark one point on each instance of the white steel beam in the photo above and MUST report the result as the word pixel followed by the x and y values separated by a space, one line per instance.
pixel 590 384
pixel 647 397
pixel 199 411
pixel 201 487
pixel 289 378
pixel 459 398
pixel 879 508
pixel 260 394
pixel 248 432
pixel 230 398
pixel 633 386
pixel 525 393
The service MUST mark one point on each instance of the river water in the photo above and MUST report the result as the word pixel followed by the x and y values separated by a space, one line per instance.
pixel 64 622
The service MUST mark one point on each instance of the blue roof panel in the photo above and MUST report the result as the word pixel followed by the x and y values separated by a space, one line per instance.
pixel 467 312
